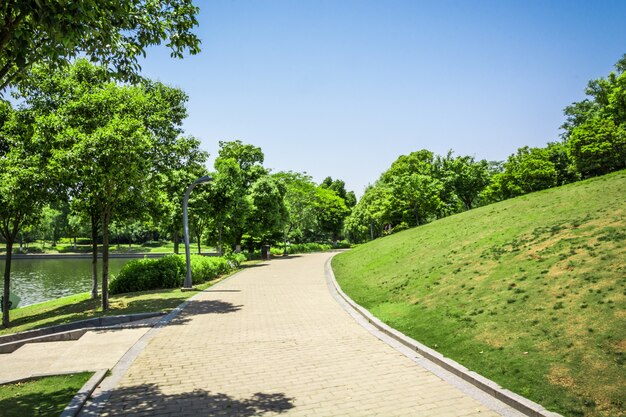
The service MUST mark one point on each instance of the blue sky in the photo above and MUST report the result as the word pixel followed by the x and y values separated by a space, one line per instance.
pixel 342 88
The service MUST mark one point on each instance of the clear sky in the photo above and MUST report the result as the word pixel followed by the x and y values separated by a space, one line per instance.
pixel 342 88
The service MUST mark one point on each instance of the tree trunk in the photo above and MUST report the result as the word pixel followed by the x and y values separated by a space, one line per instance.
pixel 94 257
pixel 198 236
pixel 219 239
pixel 106 216
pixel 176 239
pixel 417 217
pixel 7 283
pixel 74 243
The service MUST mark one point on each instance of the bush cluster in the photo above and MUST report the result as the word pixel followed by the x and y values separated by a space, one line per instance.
pixel 308 247
pixel 169 272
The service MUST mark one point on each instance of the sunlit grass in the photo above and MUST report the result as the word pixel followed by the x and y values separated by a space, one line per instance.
pixel 45 397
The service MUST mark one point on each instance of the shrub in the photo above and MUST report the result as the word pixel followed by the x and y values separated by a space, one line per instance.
pixel 169 272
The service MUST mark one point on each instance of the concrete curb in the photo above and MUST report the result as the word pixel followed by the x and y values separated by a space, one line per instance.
pixel 509 398
pixel 77 403
pixel 70 331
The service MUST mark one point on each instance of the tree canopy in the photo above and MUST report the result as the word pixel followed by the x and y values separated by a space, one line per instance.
pixel 113 33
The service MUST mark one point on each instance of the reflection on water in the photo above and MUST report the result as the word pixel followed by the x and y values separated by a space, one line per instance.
pixel 37 280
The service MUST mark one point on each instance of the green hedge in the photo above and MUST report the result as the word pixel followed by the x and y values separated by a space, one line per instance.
pixel 308 247
pixel 169 272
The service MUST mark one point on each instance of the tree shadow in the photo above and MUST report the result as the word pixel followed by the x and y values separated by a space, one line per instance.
pixel 283 257
pixel 198 307
pixel 147 398
pixel 255 265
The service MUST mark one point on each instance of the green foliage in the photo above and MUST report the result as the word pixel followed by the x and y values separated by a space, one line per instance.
pixel 169 272
pixel 330 211
pixel 598 146
pixel 112 32
pixel 529 170
pixel 149 274
pixel 308 247
pixel 595 129
pixel 511 291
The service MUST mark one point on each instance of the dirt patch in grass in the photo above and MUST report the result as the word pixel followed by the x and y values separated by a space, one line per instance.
pixel 559 375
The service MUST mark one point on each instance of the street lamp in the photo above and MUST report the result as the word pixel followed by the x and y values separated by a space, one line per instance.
pixel 187 285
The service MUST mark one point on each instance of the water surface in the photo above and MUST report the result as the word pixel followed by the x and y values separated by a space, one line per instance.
pixel 37 280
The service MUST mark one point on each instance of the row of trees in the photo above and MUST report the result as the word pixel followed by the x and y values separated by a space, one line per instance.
pixel 422 186
pixel 83 150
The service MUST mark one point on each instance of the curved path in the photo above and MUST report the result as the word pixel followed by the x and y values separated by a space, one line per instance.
pixel 272 340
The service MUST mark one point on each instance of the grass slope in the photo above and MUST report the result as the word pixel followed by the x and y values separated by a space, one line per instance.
pixel 530 292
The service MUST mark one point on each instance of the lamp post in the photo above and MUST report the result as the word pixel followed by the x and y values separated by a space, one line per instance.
pixel 187 285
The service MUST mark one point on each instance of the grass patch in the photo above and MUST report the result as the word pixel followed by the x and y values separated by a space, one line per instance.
pixel 45 397
pixel 529 292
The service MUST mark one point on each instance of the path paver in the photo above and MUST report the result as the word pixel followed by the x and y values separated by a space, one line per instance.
pixel 100 349
pixel 273 341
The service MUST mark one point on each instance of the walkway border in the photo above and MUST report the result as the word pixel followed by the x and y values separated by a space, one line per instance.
pixel 510 398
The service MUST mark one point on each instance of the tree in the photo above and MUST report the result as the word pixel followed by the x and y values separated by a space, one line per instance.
pixel 300 203
pixel 100 129
pixel 269 213
pixel 598 146
pixel 469 178
pixel 526 171
pixel 371 214
pixel 238 166
pixel 25 184
pixel 415 190
pixel 113 33
pixel 183 165
pixel 331 211
pixel 595 128
pixel 339 187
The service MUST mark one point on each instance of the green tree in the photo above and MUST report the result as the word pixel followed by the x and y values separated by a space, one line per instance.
pixel 88 118
pixel 331 210
pixel 371 214
pixel 26 185
pixel 114 33
pixel 598 146
pixel 416 191
pixel 526 171
pixel 300 203
pixel 184 164
pixel 238 167
pixel 269 214
pixel 469 178
pixel 595 128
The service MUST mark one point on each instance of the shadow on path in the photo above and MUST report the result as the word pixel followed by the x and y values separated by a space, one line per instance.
pixel 147 399
pixel 198 307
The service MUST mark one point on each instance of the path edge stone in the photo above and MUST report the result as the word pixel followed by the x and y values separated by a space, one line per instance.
pixel 77 403
pixel 488 386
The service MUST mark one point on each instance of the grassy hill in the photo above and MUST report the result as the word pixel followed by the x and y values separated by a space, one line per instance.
pixel 530 292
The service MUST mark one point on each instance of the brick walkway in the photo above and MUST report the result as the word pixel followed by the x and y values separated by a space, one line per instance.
pixel 273 341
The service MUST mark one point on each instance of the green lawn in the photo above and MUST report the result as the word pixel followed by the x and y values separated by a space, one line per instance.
pixel 42 397
pixel 530 292
pixel 81 307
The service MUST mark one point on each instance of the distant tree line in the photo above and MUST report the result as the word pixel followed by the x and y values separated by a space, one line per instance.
pixel 422 186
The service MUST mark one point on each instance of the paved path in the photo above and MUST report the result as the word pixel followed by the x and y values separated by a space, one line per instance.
pixel 273 341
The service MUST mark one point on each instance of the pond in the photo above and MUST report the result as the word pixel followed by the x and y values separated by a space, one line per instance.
pixel 37 280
